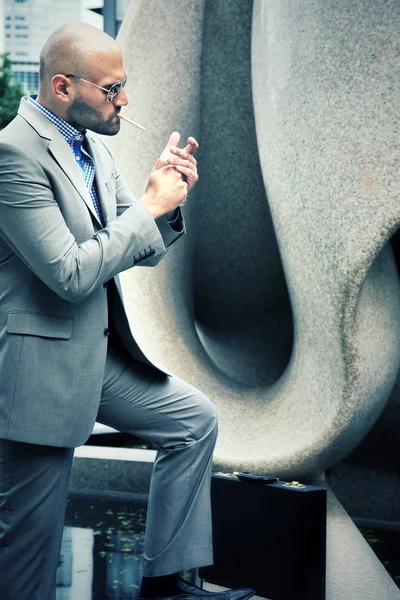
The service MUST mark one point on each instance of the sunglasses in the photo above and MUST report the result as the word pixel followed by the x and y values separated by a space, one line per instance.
pixel 112 91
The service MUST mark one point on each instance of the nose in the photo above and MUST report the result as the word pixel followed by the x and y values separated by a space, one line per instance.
pixel 121 99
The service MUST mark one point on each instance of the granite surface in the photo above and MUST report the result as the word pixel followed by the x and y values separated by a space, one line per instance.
pixel 282 303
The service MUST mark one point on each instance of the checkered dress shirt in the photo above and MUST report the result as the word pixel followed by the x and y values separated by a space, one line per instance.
pixel 75 140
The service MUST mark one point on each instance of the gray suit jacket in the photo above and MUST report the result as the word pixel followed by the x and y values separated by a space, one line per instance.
pixel 55 262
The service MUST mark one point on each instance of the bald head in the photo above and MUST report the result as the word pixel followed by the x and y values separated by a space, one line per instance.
pixel 78 65
pixel 76 48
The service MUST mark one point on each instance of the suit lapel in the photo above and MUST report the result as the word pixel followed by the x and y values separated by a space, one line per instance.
pixel 59 149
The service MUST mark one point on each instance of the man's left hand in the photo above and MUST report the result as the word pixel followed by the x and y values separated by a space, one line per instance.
pixel 181 158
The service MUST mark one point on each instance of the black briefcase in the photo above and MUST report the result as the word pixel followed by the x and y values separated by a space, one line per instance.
pixel 269 535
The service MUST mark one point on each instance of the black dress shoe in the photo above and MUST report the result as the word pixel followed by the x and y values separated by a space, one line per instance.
pixel 188 591
pixel 192 590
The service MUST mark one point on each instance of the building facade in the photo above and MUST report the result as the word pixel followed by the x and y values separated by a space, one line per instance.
pixel 27 24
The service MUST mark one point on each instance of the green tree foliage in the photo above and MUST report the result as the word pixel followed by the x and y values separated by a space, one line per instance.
pixel 10 93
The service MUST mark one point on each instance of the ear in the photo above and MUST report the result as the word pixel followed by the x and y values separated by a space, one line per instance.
pixel 62 88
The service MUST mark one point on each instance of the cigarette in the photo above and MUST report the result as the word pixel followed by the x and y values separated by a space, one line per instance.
pixel 131 122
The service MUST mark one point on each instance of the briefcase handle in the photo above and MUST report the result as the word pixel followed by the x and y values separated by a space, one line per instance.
pixel 264 479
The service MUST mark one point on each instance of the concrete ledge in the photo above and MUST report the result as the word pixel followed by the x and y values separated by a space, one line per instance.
pixel 353 570
pixel 112 469
pixel 100 428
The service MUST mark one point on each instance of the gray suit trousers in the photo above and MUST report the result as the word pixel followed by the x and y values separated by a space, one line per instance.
pixel 137 399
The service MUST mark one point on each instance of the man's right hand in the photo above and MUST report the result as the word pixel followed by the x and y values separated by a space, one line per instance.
pixel 165 191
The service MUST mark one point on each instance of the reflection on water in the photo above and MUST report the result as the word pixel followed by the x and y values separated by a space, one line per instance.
pixel 385 542
pixel 122 570
pixel 124 565
pixel 102 549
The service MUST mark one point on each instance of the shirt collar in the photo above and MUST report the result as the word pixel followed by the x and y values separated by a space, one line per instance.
pixel 69 133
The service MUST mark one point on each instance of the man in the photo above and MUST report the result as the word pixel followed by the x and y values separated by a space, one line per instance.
pixel 68 226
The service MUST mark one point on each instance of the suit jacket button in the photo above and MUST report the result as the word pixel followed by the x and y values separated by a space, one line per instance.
pixel 107 331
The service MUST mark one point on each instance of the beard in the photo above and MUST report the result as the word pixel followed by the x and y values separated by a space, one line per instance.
pixel 82 116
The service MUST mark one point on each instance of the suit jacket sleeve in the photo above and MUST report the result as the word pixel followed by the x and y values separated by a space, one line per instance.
pixel 125 198
pixel 32 224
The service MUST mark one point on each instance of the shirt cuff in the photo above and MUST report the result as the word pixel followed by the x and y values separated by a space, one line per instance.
pixel 176 216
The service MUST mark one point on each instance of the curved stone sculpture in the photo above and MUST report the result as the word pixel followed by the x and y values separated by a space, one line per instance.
pixel 282 303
